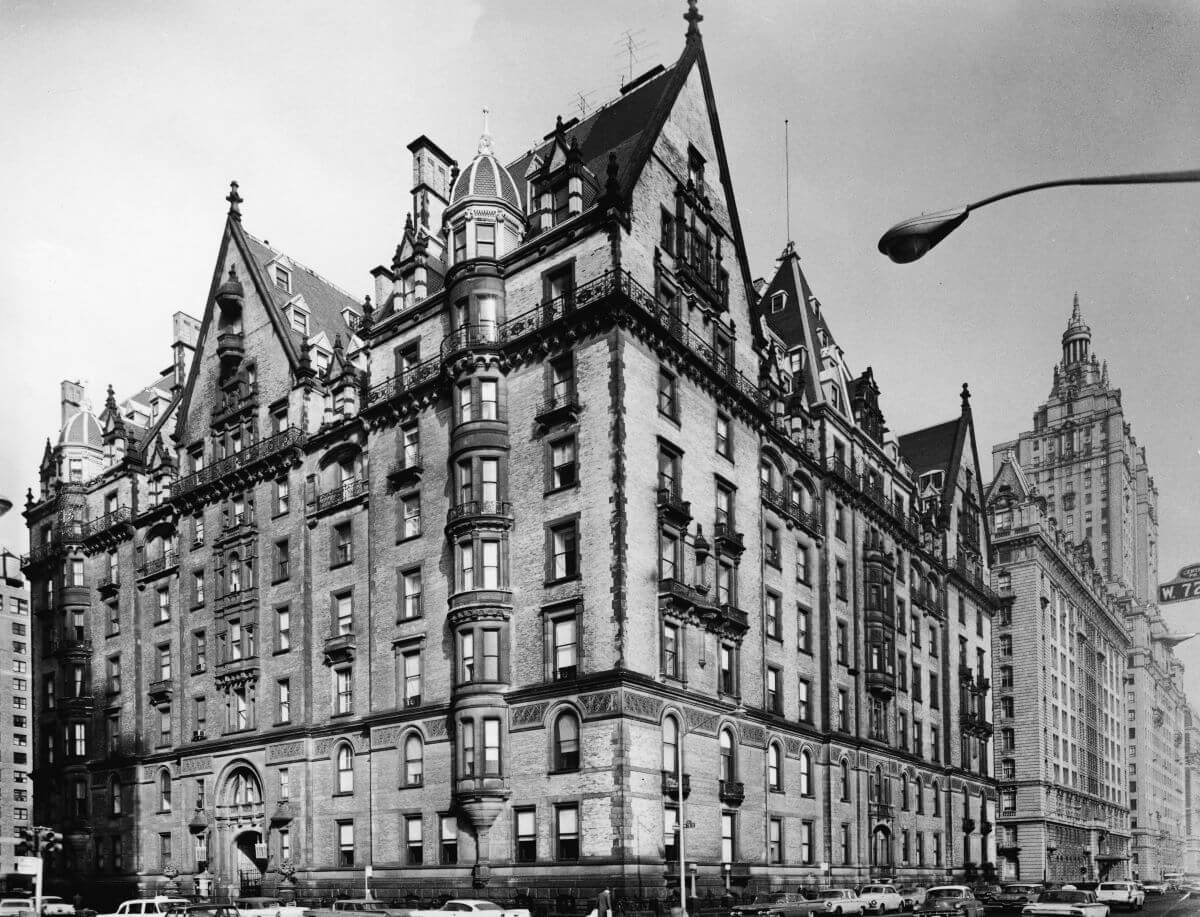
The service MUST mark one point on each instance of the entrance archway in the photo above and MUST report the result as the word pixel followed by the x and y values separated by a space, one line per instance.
pixel 881 849
pixel 248 859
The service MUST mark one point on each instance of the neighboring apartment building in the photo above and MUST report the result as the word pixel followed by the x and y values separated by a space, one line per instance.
pixel 1060 678
pixel 1082 457
pixel 570 538
pixel 1191 791
pixel 16 728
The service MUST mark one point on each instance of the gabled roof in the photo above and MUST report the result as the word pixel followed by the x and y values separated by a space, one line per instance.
pixel 800 320
pixel 1010 479
pixel 931 449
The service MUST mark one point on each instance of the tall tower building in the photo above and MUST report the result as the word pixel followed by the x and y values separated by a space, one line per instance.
pixel 16 727
pixel 1095 482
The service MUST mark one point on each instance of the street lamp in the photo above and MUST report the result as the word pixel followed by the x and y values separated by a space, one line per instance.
pixel 910 239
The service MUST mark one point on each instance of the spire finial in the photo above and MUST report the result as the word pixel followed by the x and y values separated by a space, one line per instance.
pixel 966 397
pixel 485 139
pixel 111 401
pixel 235 201
pixel 1076 318
pixel 693 18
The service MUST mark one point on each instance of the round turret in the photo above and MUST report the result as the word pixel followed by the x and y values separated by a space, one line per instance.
pixel 485 181
pixel 484 220
pixel 82 429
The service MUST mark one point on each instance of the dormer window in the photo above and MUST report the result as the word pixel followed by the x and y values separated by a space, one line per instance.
pixel 695 168
pixel 561 197
pixel 283 278
pixel 778 301
pixel 352 319
pixel 321 358
pixel 299 320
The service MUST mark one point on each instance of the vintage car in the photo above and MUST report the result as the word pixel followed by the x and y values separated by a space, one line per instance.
pixel 881 899
pixel 778 904
pixel 267 907
pixel 203 910
pixel 1012 897
pixel 1154 888
pixel 838 901
pixel 956 899
pixel 1121 894
pixel 16 907
pixel 135 907
pixel 1066 902
pixel 54 906
pixel 913 896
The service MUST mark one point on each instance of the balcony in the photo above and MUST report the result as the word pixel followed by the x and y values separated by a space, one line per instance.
pixel 732 620
pixel 65 535
pixel 108 529
pixel 235 598
pixel 231 347
pixel 966 675
pixel 968 825
pixel 881 683
pixel 75 595
pixel 972 574
pixel 161 691
pixel 792 511
pixel 670 785
pixel 985 827
pixel 109 584
pixel 408 470
pixel 843 472
pixel 468 339
pixel 257 461
pixel 563 408
pixel 337 497
pixel 684 598
pixel 82 705
pixel 340 648
pixel 157 567
pixel 727 540
pixel 672 508
pixel 284 814
pixel 406 382
pixel 880 810
pixel 70 648
pixel 730 792
pixel 495 512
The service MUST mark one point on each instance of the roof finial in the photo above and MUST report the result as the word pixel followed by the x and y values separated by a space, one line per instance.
pixel 235 201
pixel 485 139
pixel 1076 318
pixel 612 184
pixel 693 18
pixel 966 398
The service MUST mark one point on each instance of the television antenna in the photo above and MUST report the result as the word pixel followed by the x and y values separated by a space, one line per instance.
pixel 631 44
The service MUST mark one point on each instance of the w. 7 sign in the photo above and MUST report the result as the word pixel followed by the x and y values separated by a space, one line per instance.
pixel 1185 586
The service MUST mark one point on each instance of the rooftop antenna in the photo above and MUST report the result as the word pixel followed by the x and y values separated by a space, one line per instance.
pixel 630 46
pixel 787 183
pixel 581 102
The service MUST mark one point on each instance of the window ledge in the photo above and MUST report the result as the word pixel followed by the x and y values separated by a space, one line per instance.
pixel 400 539
pixel 342 715
pixel 565 488
pixel 162 621
pixel 282 723
pixel 565 770
pixel 281 652
pixel 564 579
pixel 778 638
pixel 342 793
pixel 337 565
pixel 279 515
pixel 276 582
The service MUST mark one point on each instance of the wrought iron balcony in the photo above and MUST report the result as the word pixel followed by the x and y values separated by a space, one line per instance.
pixel 476 510
pixel 670 785
pixel 686 598
pixel 559 409
pixel 158 566
pixel 254 457
pixel 727 539
pixel 161 691
pixel 731 792
pixel 109 583
pixel 405 382
pixel 343 493
pixel 880 810
pixel 340 648
pixel 672 507
pixel 791 510
pixel 95 529
pixel 80 705
pixel 733 618
pixel 471 338
pixel 408 469
pixel 75 595
pixel 70 648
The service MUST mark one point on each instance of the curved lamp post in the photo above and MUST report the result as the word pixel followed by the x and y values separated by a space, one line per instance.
pixel 909 240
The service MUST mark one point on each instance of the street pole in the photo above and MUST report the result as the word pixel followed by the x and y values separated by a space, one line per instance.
pixel 682 826
pixel 37 886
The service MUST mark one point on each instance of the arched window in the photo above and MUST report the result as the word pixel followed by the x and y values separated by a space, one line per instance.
pixel 164 790
pixel 566 742
pixel 937 798
pixel 414 760
pixel 805 773
pixel 881 847
pixel 904 800
pixel 670 745
pixel 244 788
pixel 845 780
pixel 728 765
pixel 114 796
pixel 345 769
pixel 919 789
pixel 775 767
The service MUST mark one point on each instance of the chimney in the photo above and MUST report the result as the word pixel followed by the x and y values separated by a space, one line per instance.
pixel 72 399
pixel 432 167
pixel 186 332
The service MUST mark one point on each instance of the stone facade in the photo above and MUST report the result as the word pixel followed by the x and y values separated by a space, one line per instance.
pixel 16 757
pixel 555 546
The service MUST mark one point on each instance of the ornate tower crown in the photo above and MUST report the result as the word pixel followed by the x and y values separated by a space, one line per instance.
pixel 1076 339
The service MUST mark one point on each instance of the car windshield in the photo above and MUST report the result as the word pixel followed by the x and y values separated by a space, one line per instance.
pixel 1114 886
pixel 486 906
pixel 875 889
pixel 830 893
pixel 945 893
pixel 772 898
pixel 1063 897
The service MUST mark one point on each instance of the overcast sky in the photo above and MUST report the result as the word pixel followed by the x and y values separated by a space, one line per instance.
pixel 122 124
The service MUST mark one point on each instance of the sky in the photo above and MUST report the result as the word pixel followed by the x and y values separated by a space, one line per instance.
pixel 121 125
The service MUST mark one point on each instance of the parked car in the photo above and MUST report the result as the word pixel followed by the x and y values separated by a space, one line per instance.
pixel 839 901
pixel 985 892
pixel 54 906
pixel 1012 897
pixel 1151 887
pixel 912 896
pixel 1121 894
pixel 137 906
pixel 16 907
pixel 204 910
pixel 267 907
pixel 1066 902
pixel 777 904
pixel 958 899
pixel 881 899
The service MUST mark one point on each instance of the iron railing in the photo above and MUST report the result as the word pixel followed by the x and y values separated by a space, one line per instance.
pixel 94 527
pixel 472 508
pixel 405 381
pixel 156 565
pixel 254 452
pixel 342 493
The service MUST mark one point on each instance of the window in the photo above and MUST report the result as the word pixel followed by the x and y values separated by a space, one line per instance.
pixel 562 379
pixel 806 777
pixel 76 571
pixel 283 278
pixel 728 847
pixel 728 758
pixel 933 641
pixel 565 650
pixel 526 834
pixel 485 240
pixel 343 614
pixel 410 677
pixel 774 695
pixel 845 843
pixel 563 469
pixel 114 674
pixel 935 744
pixel 491 747
pixel 724 436
pixel 345 839
pixel 282 560
pixel 413 846
pixel 667 238
pixel 670 649
pixel 726 583
pixel 668 554
pixel 803 571
pixel 935 795
pixel 564 551
pixel 668 395
pixel 342 545
pixel 489 400
pixel 774 608
pixel 414 760
pixel 839 521
pixel 842 588
pixel 669 466
pixel 804 628
pixel 448 838
pixel 775 841
pixel 566 742
pixel 164 662
pixel 566 832
pixel 843 712
pixel 842 644
pixel 670 745
pixel 934 693
pixel 343 690
pixel 281 496
pixel 727 669
pixel 775 768
pixel 164 605
pixel 283 691
pixel 917 684
pixel 164 791
pixel 805 711
pixel 725 506
pixel 283 629
pixel 806 842
pixel 344 759
pixel 197 587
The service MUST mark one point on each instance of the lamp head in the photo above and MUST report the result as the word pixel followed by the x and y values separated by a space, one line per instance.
pixel 909 240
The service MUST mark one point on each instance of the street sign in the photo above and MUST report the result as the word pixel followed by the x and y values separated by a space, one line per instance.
pixel 28 866
pixel 1184 587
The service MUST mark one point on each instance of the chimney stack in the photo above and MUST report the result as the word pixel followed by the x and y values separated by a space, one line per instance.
pixel 72 400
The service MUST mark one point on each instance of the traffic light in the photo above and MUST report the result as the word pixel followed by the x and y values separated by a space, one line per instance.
pixel 51 841
pixel 25 843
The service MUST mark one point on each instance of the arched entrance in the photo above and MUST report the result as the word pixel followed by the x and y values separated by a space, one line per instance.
pixel 249 856
pixel 881 850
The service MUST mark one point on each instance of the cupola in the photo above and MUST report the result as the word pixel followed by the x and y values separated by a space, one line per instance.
pixel 485 219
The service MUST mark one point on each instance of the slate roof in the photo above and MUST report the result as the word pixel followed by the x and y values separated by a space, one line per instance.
pixel 931 449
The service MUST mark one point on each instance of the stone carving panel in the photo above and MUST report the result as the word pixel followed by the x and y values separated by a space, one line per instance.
pixel 639 705
pixel 527 716
pixel 599 704
pixel 705 723
pixel 754 736
pixel 198 765
pixel 435 729
pixel 285 751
